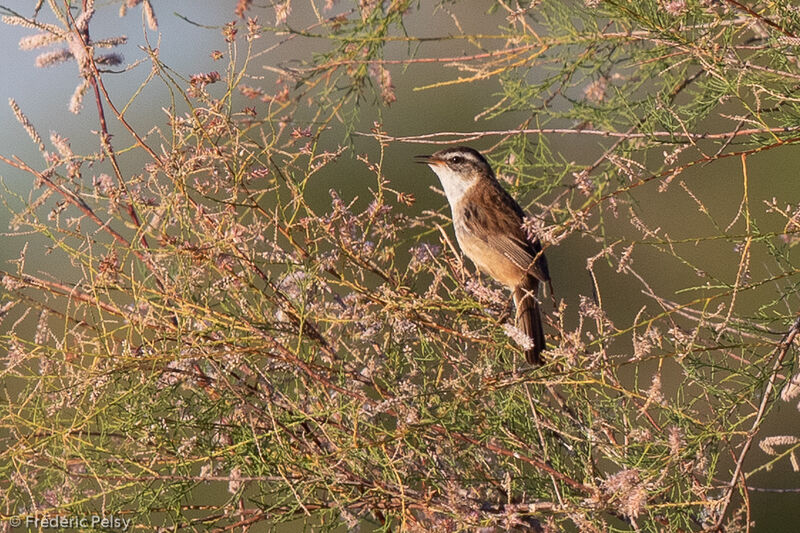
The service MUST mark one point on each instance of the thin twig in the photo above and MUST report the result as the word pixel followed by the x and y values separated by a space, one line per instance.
pixel 448 137
pixel 782 349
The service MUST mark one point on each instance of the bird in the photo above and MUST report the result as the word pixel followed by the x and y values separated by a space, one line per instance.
pixel 488 227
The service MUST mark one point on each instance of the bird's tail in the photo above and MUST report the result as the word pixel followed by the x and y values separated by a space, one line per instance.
pixel 529 319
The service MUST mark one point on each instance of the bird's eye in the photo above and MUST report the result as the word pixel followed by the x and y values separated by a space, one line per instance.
pixel 456 159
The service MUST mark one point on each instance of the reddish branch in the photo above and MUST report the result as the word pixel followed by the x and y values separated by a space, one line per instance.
pixel 448 137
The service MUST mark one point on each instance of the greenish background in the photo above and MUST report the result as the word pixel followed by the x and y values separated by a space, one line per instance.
pixel 43 96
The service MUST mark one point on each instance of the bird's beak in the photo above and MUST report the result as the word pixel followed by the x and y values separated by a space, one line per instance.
pixel 428 160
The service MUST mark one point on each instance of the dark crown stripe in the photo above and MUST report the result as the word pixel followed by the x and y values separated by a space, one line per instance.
pixel 465 151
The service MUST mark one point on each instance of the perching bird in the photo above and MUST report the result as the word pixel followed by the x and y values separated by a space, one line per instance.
pixel 488 226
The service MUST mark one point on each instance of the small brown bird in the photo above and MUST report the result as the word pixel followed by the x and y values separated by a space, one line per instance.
pixel 488 226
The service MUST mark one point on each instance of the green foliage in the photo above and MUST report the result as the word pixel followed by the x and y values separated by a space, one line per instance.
pixel 219 351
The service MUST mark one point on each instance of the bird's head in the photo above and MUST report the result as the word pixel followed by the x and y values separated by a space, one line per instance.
pixel 458 169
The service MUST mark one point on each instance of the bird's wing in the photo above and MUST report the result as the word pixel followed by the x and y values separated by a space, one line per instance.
pixel 504 232
pixel 522 254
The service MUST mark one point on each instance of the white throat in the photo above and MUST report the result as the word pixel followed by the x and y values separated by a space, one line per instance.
pixel 454 184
